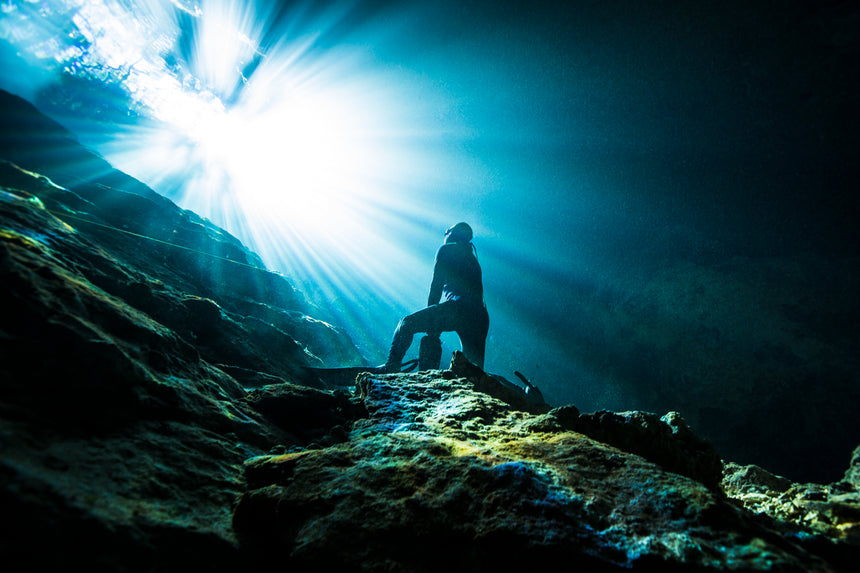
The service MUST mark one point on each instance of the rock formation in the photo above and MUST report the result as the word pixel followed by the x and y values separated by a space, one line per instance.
pixel 160 411
pixel 441 476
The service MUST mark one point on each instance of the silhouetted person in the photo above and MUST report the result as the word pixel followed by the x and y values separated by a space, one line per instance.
pixel 457 277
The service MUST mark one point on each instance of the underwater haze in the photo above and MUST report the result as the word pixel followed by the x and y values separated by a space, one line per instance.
pixel 663 193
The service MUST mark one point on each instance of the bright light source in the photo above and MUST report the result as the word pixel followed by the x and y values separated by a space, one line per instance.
pixel 300 159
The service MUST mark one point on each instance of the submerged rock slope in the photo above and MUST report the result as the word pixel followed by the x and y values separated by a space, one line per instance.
pixel 157 413
pixel 134 244
pixel 130 331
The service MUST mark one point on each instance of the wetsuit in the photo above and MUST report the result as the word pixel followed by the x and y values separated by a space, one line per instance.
pixel 457 278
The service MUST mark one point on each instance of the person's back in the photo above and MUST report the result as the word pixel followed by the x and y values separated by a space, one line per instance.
pixel 457 275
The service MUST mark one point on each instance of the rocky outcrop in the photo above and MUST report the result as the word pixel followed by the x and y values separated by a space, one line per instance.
pixel 832 509
pixel 441 475
pixel 129 332
pixel 666 440
pixel 122 441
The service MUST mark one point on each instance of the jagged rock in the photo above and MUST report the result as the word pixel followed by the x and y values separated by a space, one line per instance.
pixel 443 475
pixel 306 412
pixel 497 386
pixel 852 475
pixel 666 440
pixel 833 509
pixel 321 340
pixel 752 481
pixel 118 441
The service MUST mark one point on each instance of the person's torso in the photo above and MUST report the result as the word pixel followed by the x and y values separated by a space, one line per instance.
pixel 461 274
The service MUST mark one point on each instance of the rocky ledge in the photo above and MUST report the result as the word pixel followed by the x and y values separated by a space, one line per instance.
pixel 441 475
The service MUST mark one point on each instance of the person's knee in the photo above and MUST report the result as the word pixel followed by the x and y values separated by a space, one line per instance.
pixel 408 326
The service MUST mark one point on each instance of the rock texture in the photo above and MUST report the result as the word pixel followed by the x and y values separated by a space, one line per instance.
pixel 159 413
pixel 130 331
pixel 440 475
pixel 832 509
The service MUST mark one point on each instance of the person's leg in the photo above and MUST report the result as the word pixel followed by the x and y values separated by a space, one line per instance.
pixel 430 352
pixel 473 336
pixel 431 319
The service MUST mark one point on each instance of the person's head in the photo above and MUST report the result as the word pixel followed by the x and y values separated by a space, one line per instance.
pixel 459 233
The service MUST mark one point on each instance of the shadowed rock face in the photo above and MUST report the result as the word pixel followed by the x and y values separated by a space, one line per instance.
pixel 155 414
pixel 130 331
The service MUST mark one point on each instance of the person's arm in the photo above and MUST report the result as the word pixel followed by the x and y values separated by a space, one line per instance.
pixel 438 280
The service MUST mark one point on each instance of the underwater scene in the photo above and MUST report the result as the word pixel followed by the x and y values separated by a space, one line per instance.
pixel 392 286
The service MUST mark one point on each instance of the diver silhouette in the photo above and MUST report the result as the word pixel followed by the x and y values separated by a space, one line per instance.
pixel 457 276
